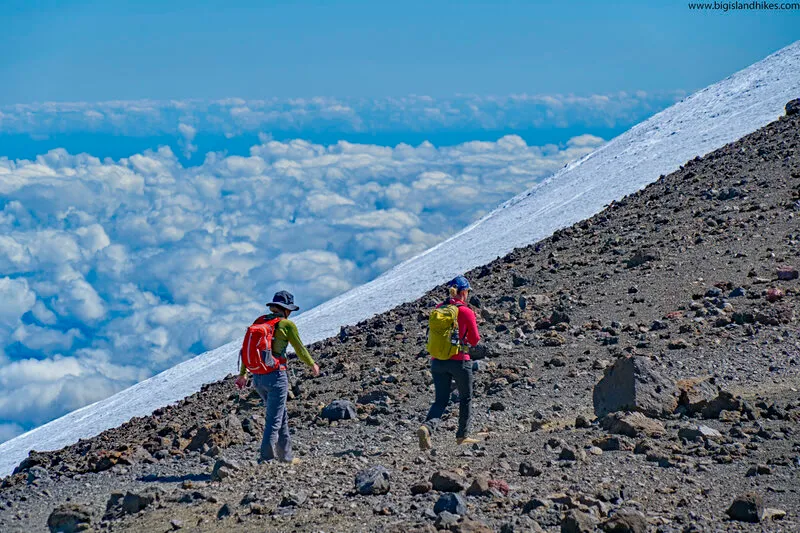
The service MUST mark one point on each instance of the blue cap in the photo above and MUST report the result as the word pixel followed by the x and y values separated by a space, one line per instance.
pixel 460 283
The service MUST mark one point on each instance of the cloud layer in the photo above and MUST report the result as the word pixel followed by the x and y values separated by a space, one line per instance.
pixel 234 116
pixel 111 271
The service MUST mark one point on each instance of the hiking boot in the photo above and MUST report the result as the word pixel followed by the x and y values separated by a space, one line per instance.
pixel 424 436
pixel 466 440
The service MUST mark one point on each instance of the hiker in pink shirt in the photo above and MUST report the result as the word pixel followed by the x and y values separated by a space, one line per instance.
pixel 453 364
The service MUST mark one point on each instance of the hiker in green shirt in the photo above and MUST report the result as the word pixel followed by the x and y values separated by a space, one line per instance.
pixel 269 372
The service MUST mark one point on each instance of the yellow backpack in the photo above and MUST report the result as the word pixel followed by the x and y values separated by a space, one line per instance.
pixel 443 340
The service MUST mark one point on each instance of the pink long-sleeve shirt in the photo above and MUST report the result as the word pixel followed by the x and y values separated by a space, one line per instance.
pixel 467 327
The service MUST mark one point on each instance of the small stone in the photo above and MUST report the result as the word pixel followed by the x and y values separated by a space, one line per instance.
pixel 678 344
pixel 632 425
pixel 37 473
pixel 223 469
pixel 294 498
pixel 626 521
pixel 176 524
pixel 339 410
pixel 448 481
pixel 611 444
pixel 569 453
pixel 446 520
pixel 759 470
pixel 793 107
pixel 421 488
pixel 774 514
pixel 577 521
pixel 582 422
pixel 787 273
pixel 774 294
pixel 133 502
pixel 748 507
pixel 69 518
pixel 479 487
pixel 500 486
pixel 699 432
pixel 471 526
pixel 224 511
pixel 373 480
pixel 528 470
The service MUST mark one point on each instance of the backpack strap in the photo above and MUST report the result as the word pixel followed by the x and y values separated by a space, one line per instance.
pixel 451 302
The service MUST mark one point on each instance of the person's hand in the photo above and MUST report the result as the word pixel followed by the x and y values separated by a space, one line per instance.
pixel 315 369
pixel 241 382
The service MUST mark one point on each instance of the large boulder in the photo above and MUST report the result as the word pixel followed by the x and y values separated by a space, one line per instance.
pixel 793 107
pixel 634 384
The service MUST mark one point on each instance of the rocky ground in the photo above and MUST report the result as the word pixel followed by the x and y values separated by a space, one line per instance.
pixel 639 372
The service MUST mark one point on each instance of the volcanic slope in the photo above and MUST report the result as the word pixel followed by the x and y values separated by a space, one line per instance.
pixel 704 121
pixel 696 274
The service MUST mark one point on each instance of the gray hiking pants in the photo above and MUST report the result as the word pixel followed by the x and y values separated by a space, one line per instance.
pixel 444 372
pixel 274 389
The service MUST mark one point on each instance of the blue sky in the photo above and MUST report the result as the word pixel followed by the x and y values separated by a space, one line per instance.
pixel 143 147
pixel 90 51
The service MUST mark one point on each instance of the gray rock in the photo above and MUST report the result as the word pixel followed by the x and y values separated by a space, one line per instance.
pixel 224 511
pixel 577 521
pixel 699 432
pixel 446 520
pixel 373 480
pixel 793 107
pixel 452 503
pixel 748 507
pixel 528 470
pixel 294 498
pixel 339 410
pixel 37 473
pixel 133 502
pixel 632 425
pixel 569 453
pixel 223 469
pixel 634 384
pixel 69 518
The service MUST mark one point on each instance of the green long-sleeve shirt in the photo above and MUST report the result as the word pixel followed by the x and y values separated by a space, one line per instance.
pixel 286 333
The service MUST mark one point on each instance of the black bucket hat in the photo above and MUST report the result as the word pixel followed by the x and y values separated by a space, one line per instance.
pixel 283 299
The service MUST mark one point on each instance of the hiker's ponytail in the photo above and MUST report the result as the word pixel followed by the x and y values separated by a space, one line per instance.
pixel 453 292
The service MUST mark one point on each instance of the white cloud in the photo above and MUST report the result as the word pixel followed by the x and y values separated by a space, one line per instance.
pixel 115 270
pixel 16 299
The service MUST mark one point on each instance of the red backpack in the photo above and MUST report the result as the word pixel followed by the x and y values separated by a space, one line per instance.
pixel 256 352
